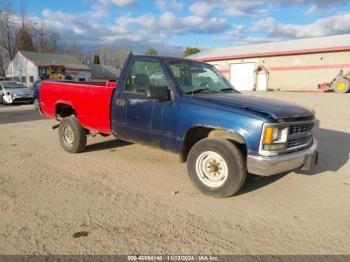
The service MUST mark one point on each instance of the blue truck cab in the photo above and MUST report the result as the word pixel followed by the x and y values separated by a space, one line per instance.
pixel 189 108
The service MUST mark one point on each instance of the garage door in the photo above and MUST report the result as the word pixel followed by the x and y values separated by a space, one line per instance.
pixel 242 76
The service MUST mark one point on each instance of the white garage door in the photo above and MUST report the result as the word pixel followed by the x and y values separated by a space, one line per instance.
pixel 242 76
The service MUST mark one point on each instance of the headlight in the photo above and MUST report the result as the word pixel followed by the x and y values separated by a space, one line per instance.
pixel 274 138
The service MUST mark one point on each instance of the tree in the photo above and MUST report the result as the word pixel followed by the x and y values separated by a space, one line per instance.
pixel 8 32
pixel 2 66
pixel 74 50
pixel 115 57
pixel 24 40
pixel 151 51
pixel 46 40
pixel 96 60
pixel 120 56
pixel 190 51
pixel 7 36
pixel 26 35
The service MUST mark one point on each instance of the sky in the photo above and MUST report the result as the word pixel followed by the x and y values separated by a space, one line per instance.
pixel 172 25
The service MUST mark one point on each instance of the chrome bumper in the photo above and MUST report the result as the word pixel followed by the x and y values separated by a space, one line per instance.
pixel 267 166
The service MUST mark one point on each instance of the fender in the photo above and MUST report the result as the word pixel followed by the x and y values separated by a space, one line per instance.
pixel 199 132
pixel 244 126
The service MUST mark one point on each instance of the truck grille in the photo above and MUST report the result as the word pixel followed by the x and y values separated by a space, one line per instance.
pixel 300 135
pixel 299 142
pixel 295 129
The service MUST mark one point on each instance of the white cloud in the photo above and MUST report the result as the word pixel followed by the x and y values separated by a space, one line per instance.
pixel 202 8
pixel 239 32
pixel 326 26
pixel 119 2
pixel 172 5
pixel 170 24
pixel 100 7
pixel 137 32
pixel 232 8
pixel 206 17
pixel 257 7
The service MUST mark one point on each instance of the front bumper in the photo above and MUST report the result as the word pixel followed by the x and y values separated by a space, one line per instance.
pixel 267 166
pixel 22 99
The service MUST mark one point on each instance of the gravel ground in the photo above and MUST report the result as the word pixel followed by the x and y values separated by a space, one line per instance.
pixel 121 198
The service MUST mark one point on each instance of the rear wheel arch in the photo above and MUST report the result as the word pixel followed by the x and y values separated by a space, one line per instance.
pixel 63 110
pixel 198 133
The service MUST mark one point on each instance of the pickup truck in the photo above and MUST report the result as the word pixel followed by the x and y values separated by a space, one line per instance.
pixel 189 108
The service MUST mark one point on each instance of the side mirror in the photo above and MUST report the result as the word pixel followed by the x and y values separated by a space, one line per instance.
pixel 161 93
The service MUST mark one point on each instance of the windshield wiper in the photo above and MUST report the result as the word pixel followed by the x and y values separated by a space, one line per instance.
pixel 197 91
pixel 228 89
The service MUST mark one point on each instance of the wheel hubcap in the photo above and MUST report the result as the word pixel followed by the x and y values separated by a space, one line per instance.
pixel 68 136
pixel 211 169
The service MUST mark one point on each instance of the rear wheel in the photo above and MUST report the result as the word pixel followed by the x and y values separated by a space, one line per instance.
pixel 72 135
pixel 216 167
pixel 341 86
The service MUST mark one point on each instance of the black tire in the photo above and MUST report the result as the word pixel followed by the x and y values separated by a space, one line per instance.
pixel 36 104
pixel 341 86
pixel 233 160
pixel 70 126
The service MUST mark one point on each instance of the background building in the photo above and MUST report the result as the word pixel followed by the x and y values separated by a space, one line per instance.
pixel 300 64
pixel 31 66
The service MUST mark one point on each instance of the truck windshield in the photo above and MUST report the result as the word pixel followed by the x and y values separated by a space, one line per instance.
pixel 193 77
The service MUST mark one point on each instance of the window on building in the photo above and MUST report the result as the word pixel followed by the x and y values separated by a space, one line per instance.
pixel 31 79
pixel 43 72
pixel 23 79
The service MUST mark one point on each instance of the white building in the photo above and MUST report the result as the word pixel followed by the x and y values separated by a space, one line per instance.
pixel 28 66
pixel 301 64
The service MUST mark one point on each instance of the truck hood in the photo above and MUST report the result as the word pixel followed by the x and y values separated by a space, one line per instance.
pixel 273 108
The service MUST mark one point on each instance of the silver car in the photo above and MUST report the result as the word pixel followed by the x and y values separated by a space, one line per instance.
pixel 15 92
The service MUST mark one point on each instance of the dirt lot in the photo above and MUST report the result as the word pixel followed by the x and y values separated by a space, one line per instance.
pixel 121 194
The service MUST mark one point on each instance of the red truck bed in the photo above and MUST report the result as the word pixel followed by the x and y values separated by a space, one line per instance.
pixel 90 100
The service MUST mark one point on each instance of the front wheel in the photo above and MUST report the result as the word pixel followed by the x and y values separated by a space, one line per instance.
pixel 216 167
pixel 36 104
pixel 72 135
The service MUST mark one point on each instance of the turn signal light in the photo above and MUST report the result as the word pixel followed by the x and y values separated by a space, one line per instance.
pixel 268 137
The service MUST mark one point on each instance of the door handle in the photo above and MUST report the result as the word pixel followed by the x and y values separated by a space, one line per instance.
pixel 120 102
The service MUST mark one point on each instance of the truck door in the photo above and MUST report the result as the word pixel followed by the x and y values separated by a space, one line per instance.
pixel 148 121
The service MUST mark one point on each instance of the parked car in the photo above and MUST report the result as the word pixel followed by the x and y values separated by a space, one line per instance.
pixel 15 92
pixel 189 109
pixel 36 88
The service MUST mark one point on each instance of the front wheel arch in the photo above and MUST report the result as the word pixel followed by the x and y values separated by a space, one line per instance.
pixel 197 133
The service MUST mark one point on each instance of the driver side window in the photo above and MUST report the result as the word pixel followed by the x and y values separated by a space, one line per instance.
pixel 143 75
